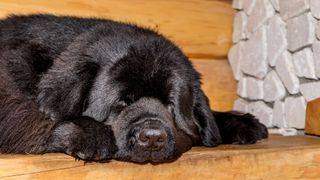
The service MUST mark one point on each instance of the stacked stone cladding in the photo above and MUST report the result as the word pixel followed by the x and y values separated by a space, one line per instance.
pixel 276 59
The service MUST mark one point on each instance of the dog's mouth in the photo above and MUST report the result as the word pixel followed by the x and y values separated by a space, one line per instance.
pixel 148 140
pixel 149 156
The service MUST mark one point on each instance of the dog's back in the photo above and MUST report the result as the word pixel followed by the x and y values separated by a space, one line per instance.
pixel 44 31
pixel 29 47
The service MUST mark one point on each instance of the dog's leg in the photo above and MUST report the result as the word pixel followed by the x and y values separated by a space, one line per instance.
pixel 239 128
pixel 83 138
pixel 23 129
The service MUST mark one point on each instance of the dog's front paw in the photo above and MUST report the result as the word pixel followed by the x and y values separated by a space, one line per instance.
pixel 238 128
pixel 84 138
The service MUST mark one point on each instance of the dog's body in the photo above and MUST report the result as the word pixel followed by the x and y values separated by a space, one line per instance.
pixel 98 89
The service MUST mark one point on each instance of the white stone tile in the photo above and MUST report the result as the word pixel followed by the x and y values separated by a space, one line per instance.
pixel 276 39
pixel 237 4
pixel 273 88
pixel 315 8
pixel 286 72
pixel 316 57
pixel 241 105
pixel 295 111
pixel 310 91
pixel 234 57
pixel 242 87
pixel 262 11
pixel 318 30
pixel 292 8
pixel 254 88
pixel 239 24
pixel 254 60
pixel 275 4
pixel 262 112
pixel 304 64
pixel 279 115
pixel 300 31
pixel 248 5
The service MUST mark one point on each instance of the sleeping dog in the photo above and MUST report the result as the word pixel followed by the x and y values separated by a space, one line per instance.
pixel 98 89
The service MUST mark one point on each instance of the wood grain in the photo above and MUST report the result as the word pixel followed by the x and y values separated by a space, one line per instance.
pixel 276 158
pixel 313 118
pixel 202 28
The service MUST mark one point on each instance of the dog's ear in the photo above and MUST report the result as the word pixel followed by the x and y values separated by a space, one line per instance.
pixel 207 126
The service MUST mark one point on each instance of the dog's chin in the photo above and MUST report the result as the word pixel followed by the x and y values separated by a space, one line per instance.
pixel 148 156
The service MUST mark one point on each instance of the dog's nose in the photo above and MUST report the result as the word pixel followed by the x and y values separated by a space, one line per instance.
pixel 152 138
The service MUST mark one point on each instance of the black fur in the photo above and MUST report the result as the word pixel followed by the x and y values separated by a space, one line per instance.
pixel 91 87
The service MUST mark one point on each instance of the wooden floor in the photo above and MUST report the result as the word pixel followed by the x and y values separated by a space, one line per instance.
pixel 276 158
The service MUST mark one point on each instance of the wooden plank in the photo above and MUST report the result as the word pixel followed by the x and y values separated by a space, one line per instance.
pixel 276 158
pixel 202 28
pixel 217 83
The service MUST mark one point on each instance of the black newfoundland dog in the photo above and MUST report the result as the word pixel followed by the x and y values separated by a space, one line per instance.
pixel 98 89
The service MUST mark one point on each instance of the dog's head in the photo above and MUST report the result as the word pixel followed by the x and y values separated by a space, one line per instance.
pixel 151 98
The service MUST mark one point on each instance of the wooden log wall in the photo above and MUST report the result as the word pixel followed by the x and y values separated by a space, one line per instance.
pixel 201 28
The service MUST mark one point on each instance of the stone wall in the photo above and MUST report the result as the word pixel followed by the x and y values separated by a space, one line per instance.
pixel 276 59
